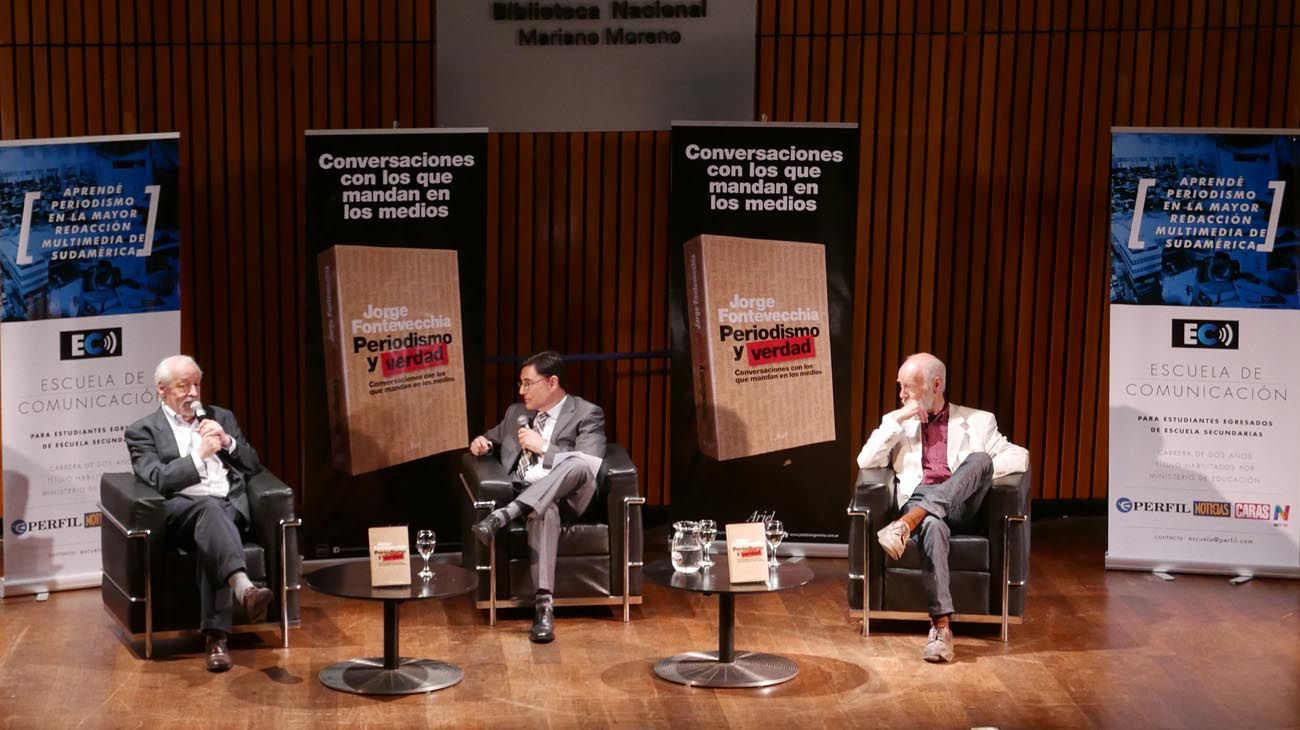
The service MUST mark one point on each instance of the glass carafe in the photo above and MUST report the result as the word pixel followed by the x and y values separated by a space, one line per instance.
pixel 687 549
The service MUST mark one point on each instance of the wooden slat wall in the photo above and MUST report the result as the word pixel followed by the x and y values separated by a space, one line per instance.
pixel 984 129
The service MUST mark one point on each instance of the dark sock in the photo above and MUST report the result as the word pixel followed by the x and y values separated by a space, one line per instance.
pixel 513 511
pixel 940 622
pixel 543 596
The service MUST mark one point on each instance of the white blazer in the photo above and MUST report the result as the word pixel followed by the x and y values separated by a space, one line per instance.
pixel 969 430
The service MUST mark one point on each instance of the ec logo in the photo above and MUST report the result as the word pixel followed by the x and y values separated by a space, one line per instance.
pixel 82 344
pixel 1214 334
pixel 1124 504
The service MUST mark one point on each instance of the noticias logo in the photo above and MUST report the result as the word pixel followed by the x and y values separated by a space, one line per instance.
pixel 1215 334
pixel 83 344
pixel 1212 509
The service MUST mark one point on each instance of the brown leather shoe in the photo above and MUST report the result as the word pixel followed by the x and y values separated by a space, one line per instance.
pixel 256 599
pixel 218 655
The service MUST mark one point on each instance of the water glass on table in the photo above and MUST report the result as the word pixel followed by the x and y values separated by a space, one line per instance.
pixel 425 541
pixel 708 533
pixel 775 532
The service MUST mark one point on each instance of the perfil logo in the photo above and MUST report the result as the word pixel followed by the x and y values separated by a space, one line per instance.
pixel 18 527
pixel 1124 504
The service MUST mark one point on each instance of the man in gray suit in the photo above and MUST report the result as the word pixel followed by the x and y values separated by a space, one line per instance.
pixel 199 461
pixel 552 443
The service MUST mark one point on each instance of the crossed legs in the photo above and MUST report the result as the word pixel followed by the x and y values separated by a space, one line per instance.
pixel 931 512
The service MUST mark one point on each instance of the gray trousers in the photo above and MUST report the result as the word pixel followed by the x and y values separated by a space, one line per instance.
pixel 209 529
pixel 562 495
pixel 953 503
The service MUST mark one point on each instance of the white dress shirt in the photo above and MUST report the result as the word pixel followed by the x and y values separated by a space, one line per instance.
pixel 212 473
pixel 539 470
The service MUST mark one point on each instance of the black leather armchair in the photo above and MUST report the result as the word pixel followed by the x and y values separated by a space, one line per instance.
pixel 150 589
pixel 599 557
pixel 988 560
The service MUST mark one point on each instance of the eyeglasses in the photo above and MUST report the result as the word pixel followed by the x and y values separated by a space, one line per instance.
pixel 530 383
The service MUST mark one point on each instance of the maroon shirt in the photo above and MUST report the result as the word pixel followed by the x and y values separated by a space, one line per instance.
pixel 934 448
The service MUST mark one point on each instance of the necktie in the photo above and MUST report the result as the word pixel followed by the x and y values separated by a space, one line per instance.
pixel 527 458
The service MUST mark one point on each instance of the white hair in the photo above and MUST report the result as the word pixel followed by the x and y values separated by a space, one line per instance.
pixel 166 370
pixel 932 368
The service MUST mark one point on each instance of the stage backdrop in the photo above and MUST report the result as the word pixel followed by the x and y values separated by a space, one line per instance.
pixel 91 302
pixel 407 334
pixel 1205 351
pixel 762 224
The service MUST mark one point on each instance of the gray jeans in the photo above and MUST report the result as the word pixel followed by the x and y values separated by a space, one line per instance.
pixel 953 503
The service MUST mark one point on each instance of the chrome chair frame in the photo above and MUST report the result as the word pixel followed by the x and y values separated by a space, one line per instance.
pixel 147 598
pixel 1005 619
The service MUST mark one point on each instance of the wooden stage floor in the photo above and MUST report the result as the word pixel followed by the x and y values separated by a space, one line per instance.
pixel 1097 649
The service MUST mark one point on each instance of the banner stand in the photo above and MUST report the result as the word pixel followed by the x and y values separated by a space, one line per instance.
pixel 90 275
pixel 1204 388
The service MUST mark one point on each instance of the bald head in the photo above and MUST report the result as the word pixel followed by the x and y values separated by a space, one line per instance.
pixel 923 378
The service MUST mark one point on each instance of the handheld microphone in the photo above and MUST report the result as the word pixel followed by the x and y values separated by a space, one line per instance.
pixel 522 421
pixel 200 412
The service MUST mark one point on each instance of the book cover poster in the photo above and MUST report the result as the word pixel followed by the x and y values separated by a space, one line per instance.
pixel 394 360
pixel 760 345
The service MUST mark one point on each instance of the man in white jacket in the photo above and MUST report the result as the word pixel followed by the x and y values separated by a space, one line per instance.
pixel 945 457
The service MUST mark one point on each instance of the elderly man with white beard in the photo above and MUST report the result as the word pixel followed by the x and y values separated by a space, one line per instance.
pixel 945 457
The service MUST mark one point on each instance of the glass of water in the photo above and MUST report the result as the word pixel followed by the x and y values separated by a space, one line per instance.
pixel 775 534
pixel 685 548
pixel 425 541
pixel 708 533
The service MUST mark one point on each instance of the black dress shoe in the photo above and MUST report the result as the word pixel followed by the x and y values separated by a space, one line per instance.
pixel 256 599
pixel 218 655
pixel 485 528
pixel 543 631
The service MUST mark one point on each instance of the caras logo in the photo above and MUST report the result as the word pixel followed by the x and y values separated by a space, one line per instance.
pixel 1216 334
pixel 82 344
pixel 1252 511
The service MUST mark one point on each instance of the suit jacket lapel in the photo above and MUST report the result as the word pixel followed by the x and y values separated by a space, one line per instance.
pixel 566 416
pixel 168 449
pixel 957 431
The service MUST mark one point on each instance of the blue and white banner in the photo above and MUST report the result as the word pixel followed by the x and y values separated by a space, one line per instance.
pixel 1205 351
pixel 90 274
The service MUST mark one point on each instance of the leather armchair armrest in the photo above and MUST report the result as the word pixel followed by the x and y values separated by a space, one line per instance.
pixel 618 474
pixel 874 493
pixel 486 481
pixel 131 505
pixel 134 504
pixel 270 501
pixel 1009 495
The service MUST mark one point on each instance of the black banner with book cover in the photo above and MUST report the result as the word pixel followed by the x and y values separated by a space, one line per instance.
pixel 392 359
pixel 762 226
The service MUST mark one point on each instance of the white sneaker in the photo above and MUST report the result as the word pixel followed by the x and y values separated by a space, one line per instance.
pixel 893 538
pixel 939 646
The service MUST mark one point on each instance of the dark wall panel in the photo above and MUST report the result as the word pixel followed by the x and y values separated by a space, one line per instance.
pixel 983 182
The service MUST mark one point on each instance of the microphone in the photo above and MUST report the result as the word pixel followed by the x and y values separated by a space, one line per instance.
pixel 200 412
pixel 522 421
